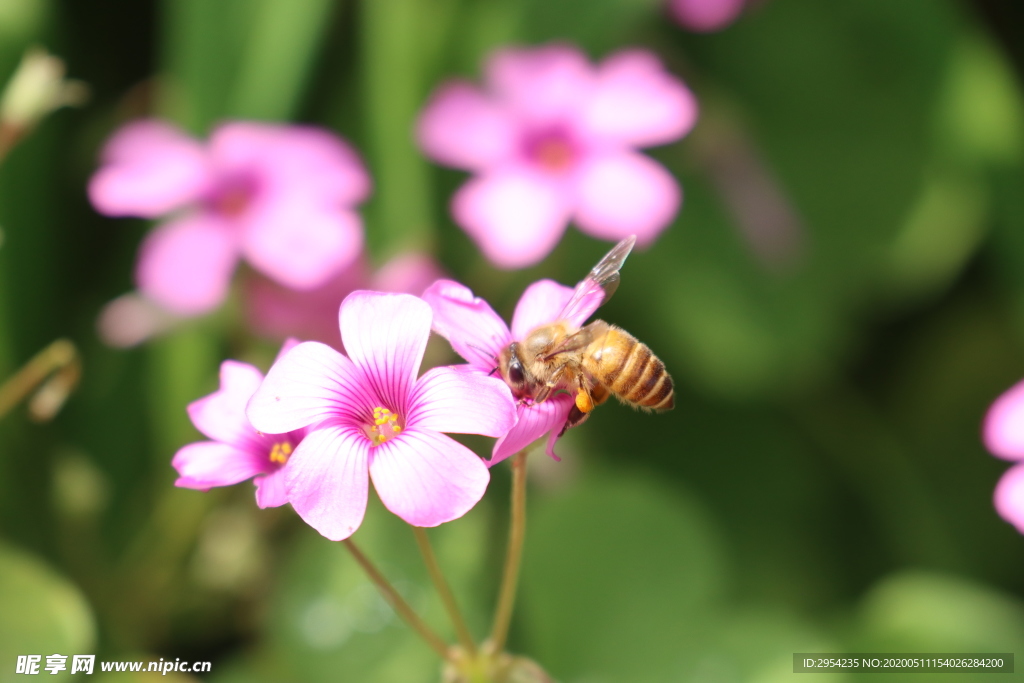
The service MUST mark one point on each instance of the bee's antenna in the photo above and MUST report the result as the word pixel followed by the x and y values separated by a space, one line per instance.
pixel 483 351
pixel 494 370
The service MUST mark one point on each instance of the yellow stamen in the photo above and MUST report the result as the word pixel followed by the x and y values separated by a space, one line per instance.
pixel 280 452
pixel 381 418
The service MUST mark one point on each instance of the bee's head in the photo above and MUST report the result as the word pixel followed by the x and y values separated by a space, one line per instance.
pixel 511 367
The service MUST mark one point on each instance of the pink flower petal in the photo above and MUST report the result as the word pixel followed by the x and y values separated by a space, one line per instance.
pixel 385 336
pixel 516 217
pixel 271 490
pixel 327 480
pixel 186 265
pixel 289 160
pixel 206 464
pixel 534 422
pixel 221 415
pixel 299 245
pixel 540 304
pixel 546 85
pixel 461 127
pixel 706 15
pixel 461 400
pixel 626 194
pixel 1003 430
pixel 469 323
pixel 427 478
pixel 312 382
pixel 149 168
pixel 637 103
pixel 1009 497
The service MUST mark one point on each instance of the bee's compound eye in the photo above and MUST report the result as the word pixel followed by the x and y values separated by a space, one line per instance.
pixel 515 372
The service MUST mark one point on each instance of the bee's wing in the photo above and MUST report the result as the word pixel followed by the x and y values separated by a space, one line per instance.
pixel 598 286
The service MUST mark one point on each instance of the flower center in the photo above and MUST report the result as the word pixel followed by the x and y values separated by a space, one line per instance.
pixel 385 426
pixel 280 452
pixel 552 150
pixel 233 197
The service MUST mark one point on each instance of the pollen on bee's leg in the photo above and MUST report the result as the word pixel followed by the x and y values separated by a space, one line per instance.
pixel 583 401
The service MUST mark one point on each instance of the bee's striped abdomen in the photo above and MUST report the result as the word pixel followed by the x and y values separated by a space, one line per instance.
pixel 634 374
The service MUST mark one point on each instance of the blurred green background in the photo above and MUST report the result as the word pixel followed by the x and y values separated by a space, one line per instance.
pixel 839 300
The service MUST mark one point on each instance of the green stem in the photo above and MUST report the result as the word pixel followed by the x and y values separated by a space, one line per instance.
pixel 59 359
pixel 513 557
pixel 447 597
pixel 397 602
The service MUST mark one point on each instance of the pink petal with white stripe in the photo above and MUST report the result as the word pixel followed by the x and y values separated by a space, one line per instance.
pixel 221 415
pixel 461 400
pixel 625 194
pixel 461 127
pixel 312 382
pixel 148 169
pixel 514 215
pixel 207 464
pixel 385 336
pixel 535 421
pixel 186 265
pixel 474 330
pixel 637 103
pixel 327 480
pixel 427 478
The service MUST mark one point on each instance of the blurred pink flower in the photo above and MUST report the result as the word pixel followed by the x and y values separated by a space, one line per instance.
pixel 553 139
pixel 478 334
pixel 1003 433
pixel 706 16
pixel 281 197
pixel 372 417
pixel 273 311
pixel 237 451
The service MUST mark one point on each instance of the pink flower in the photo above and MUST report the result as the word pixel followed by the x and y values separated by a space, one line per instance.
pixel 478 334
pixel 553 139
pixel 373 418
pixel 705 16
pixel 274 311
pixel 279 196
pixel 237 451
pixel 1003 433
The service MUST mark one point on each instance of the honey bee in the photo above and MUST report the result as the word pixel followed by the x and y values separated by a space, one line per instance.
pixel 591 362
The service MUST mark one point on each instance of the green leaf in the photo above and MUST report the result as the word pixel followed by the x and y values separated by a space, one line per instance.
pixel 41 613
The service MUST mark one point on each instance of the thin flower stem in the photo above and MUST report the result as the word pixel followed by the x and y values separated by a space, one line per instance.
pixel 59 359
pixel 510 577
pixel 430 559
pixel 397 602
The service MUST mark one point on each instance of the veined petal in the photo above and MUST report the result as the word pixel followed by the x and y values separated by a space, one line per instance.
pixel 186 265
pixel 271 491
pixel 542 85
pixel 534 422
pixel 312 382
pixel 1009 497
pixel 624 194
pixel 221 415
pixel 461 400
pixel 462 127
pixel 427 478
pixel 474 330
pixel 385 336
pixel 327 482
pixel 298 244
pixel 206 464
pixel 539 305
pixel 637 103
pixel 149 168
pixel 1003 430
pixel 515 216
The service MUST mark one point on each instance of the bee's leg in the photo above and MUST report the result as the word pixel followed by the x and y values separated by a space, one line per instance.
pixel 588 395
pixel 545 391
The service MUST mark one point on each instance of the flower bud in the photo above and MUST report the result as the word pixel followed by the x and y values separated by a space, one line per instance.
pixel 37 88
